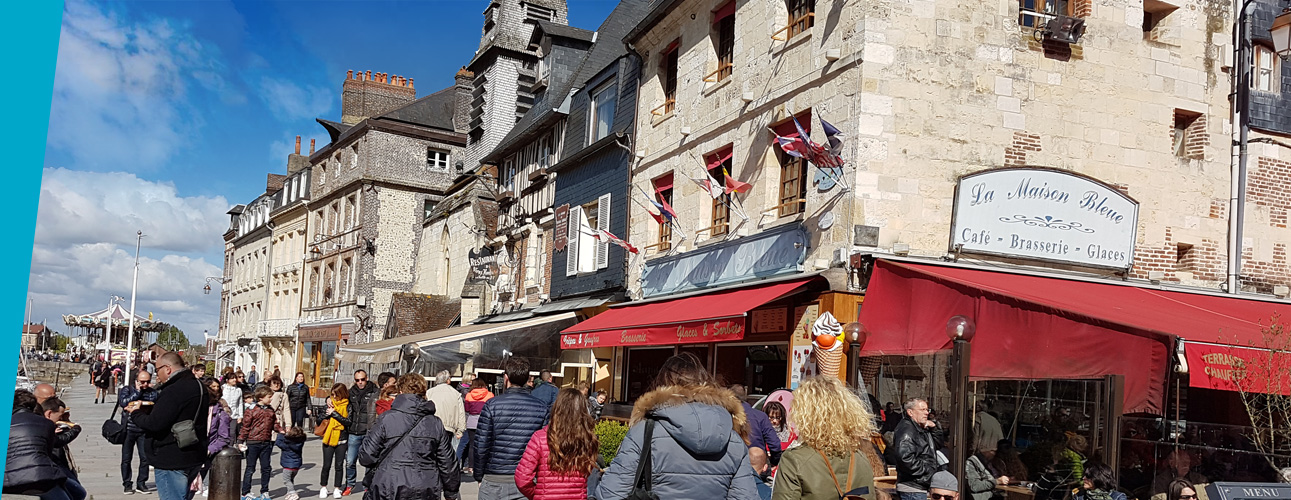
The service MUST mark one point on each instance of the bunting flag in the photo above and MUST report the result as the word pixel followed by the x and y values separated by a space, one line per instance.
pixel 665 211
pixel 826 160
pixel 835 139
pixel 604 235
pixel 733 185
pixel 708 186
pixel 792 146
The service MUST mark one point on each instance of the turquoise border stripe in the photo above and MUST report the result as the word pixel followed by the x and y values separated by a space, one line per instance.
pixel 32 33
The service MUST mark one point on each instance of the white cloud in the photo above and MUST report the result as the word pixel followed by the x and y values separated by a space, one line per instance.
pixel 82 207
pixel 119 88
pixel 84 248
pixel 289 101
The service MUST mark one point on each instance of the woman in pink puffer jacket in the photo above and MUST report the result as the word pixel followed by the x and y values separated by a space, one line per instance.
pixel 559 457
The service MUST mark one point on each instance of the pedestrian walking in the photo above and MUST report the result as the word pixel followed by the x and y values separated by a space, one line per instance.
pixel 298 399
pixel 779 418
pixel 505 426
pixel 761 433
pixel 252 377
pixel 409 450
pixel 231 394
pixel 545 391
pixel 596 404
pixel 944 486
pixel 29 462
pixel 386 379
pixel 135 438
pixel 363 400
pixel 335 437
pixel 292 444
pixel 199 370
pixel 474 403
pixel 699 450
pixel 279 404
pixel 913 449
pixel 560 457
pixel 218 428
pixel 449 407
pixel 835 458
pixel 242 383
pixel 465 385
pixel 176 427
pixel 258 425
pixel 386 398
pixel 102 381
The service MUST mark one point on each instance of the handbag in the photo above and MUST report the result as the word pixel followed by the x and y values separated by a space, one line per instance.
pixel 113 430
pixel 184 431
pixel 320 429
pixel 855 494
pixel 641 485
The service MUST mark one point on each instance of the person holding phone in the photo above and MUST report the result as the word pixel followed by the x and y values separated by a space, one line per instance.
pixel 135 439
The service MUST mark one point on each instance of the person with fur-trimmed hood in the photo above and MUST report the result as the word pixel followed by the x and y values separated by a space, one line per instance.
pixel 699 443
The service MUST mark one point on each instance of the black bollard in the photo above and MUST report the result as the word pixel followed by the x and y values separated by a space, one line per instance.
pixel 225 479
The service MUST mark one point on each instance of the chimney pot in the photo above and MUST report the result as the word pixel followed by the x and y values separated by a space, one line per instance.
pixel 311 146
pixel 410 83
pixel 367 75
pixel 297 144
pixel 349 74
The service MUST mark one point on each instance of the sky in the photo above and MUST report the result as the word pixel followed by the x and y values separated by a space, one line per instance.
pixel 165 114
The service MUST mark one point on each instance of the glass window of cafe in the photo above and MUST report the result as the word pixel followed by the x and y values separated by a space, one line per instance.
pixel 759 366
pixel 318 362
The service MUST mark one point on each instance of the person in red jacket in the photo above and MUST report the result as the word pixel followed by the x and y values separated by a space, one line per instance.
pixel 559 457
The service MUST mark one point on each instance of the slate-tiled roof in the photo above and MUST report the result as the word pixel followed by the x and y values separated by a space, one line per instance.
pixel 607 49
pixel 334 129
pixel 412 313
pixel 434 110
pixel 561 30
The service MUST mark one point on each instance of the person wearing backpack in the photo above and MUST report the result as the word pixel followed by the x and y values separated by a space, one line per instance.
pixel 409 449
pixel 834 429
pixel 688 435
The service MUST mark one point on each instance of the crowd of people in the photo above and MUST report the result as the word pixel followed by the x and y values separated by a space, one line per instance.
pixel 690 436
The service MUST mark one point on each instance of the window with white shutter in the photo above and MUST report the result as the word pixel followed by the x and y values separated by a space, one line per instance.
pixel 603 222
pixel 571 248
pixel 588 219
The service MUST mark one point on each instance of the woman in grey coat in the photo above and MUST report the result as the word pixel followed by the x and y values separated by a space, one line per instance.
pixel 699 445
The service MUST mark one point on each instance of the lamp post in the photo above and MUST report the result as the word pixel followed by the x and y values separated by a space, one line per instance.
pixel 961 331
pixel 134 287
pixel 856 335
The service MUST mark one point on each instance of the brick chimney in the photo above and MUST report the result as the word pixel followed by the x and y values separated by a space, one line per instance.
pixel 462 91
pixel 297 161
pixel 368 94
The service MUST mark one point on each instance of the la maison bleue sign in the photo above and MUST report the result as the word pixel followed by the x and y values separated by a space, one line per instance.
pixel 1043 214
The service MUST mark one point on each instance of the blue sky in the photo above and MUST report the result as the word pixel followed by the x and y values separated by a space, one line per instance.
pixel 166 113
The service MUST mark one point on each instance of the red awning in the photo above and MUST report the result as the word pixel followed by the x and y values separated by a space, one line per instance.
pixel 711 317
pixel 1232 368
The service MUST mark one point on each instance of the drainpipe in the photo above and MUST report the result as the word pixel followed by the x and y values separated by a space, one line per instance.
pixel 1237 190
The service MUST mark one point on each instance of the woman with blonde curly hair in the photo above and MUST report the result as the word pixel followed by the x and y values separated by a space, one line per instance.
pixel 834 429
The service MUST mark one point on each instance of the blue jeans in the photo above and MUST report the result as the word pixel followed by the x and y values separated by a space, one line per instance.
pixel 490 490
pixel 261 451
pixel 134 441
pixel 174 484
pixel 352 459
pixel 905 495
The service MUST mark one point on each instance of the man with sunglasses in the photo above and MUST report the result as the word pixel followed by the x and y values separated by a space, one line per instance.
pixel 363 400
pixel 943 486
pixel 181 398
pixel 135 439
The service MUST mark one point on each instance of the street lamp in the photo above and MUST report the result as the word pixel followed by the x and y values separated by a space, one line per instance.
pixel 961 331
pixel 206 290
pixel 856 335
pixel 1280 32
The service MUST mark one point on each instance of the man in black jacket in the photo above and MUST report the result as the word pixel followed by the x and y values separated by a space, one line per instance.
pixel 29 465
pixel 914 450
pixel 506 424
pixel 182 398
pixel 135 439
pixel 363 400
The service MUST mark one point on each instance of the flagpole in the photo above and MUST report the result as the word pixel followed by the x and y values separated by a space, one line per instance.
pixel 134 287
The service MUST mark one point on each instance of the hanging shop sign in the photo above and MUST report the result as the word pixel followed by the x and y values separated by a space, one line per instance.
pixel 698 332
pixel 1044 214
pixel 1239 369
pixel 484 265
pixel 773 253
pixel 561 238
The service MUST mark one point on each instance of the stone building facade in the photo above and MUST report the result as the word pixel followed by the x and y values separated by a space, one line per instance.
pixel 929 92
pixel 370 187
pixel 246 267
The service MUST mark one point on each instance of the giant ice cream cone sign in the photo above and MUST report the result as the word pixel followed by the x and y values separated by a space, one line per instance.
pixel 827 344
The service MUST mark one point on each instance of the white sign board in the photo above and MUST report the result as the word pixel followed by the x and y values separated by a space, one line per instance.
pixel 1044 214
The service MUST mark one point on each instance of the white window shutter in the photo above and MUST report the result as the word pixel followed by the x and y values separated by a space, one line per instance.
pixel 586 243
pixel 573 235
pixel 603 222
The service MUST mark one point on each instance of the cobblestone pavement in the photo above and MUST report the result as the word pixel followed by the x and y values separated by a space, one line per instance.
pixel 99 462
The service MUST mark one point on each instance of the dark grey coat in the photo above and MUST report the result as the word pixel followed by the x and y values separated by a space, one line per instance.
pixel 421 465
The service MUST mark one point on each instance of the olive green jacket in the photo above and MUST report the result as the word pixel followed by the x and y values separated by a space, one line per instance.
pixel 803 475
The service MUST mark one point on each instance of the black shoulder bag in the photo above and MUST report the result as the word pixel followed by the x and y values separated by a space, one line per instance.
pixel 113 430
pixel 641 485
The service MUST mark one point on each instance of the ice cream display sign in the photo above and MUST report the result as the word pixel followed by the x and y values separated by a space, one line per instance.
pixel 1044 214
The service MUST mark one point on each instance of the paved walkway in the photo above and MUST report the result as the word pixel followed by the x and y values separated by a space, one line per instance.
pixel 100 462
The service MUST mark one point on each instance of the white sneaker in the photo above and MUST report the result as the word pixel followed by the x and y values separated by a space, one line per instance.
pixel 336 493
pixel 322 493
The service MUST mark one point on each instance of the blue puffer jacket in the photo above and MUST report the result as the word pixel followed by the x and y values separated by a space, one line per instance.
pixel 698 448
pixel 506 424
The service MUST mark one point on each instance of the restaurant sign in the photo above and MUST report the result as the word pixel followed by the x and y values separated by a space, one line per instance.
pixel 483 265
pixel 771 253
pixel 1233 368
pixel 1044 214
pixel 697 332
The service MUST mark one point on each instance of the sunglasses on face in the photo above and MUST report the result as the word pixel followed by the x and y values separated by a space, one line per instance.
pixel 939 496
pixel 360 380
pixel 1187 497
pixel 145 381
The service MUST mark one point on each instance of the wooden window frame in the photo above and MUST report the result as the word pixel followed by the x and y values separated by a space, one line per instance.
pixel 670 65
pixel 1260 55
pixel 725 46
pixel 802 16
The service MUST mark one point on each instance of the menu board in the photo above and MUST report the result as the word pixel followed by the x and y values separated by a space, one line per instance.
pixel 770 320
pixel 801 365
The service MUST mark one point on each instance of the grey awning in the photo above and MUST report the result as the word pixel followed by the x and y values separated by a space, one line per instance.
pixel 387 351
pixel 571 305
